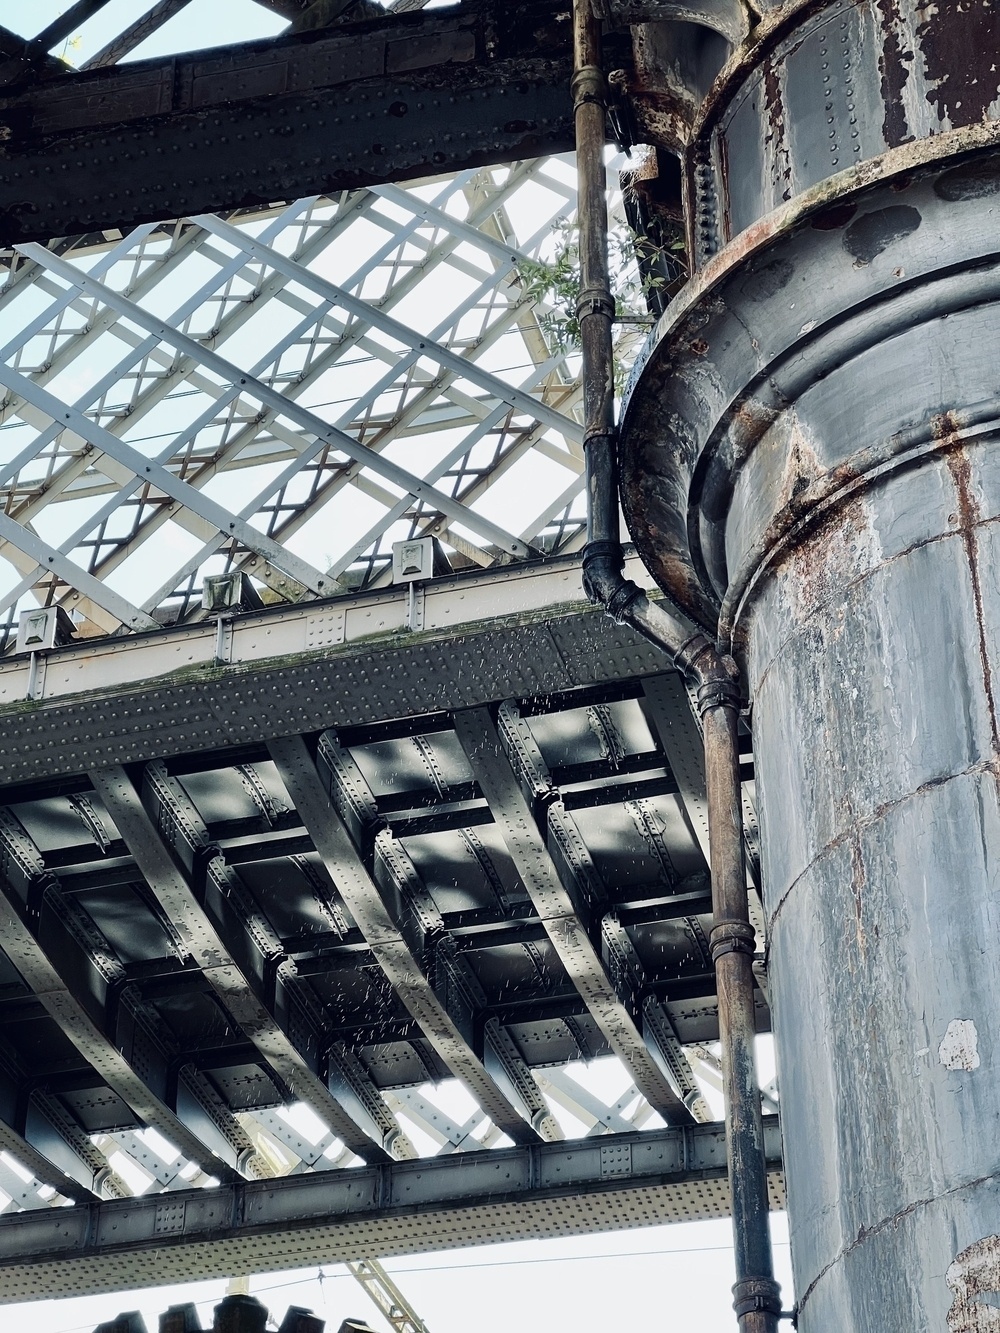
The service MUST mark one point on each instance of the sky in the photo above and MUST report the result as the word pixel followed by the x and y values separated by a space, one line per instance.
pixel 672 1279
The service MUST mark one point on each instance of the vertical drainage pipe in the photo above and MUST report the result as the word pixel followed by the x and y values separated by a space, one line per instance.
pixel 756 1295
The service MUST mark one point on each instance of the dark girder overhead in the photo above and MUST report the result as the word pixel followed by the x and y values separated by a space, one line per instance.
pixel 201 936
pixel 365 102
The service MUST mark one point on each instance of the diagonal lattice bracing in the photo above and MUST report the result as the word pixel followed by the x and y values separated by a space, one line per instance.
pixel 284 392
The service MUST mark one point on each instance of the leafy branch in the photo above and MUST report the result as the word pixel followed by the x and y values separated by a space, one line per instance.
pixel 639 270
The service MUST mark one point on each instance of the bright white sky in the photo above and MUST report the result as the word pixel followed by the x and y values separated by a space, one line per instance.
pixel 672 1279
pixel 669 1279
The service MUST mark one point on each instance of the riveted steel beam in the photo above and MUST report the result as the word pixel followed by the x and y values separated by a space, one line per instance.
pixel 393 328
pixel 528 631
pixel 411 95
pixel 557 909
pixel 51 1128
pixel 30 903
pixel 423 927
pixel 200 939
pixel 550 1189
pixel 18 1138
pixel 273 399
pixel 260 956
pixel 135 34
pixel 316 800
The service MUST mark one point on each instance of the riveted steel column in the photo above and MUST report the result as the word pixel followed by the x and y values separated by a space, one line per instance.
pixel 810 464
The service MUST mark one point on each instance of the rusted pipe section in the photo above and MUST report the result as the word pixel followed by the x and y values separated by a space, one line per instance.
pixel 756 1294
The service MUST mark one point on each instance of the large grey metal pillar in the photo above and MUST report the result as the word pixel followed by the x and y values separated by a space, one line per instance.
pixel 810 467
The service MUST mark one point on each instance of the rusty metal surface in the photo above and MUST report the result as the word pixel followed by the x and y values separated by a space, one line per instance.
pixel 811 287
pixel 810 450
pixel 821 87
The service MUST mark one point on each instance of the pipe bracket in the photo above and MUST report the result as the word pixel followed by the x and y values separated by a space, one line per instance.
pixel 595 301
pixel 732 937
pixel 756 1294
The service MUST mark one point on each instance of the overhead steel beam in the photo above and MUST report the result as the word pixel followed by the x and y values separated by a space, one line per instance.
pixel 377 319
pixel 202 942
pixel 412 95
pixel 528 631
pixel 135 34
pixel 557 909
pixel 332 839
pixel 28 905
pixel 65 1143
pixel 264 393
pixel 15 1096
pixel 422 923
pixel 261 962
pixel 61 28
pixel 556 1189
pixel 157 475
pixel 624 968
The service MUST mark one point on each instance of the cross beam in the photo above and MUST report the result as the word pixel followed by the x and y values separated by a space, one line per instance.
pixel 392 99
pixel 541 1190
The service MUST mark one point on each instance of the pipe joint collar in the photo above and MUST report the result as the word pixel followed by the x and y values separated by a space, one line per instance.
pixel 595 301
pixel 603 581
pixel 589 85
pixel 756 1294
pixel 722 688
pixel 732 937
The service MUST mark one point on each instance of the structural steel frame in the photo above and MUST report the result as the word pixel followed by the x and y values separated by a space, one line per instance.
pixel 382 853
pixel 251 420
pixel 362 102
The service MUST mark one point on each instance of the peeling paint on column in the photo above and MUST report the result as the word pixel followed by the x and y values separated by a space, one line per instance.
pixel 975 1274
pixel 959 1047
pixel 831 85
pixel 847 538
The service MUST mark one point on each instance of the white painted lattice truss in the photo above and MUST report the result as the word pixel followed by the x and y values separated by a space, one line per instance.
pixel 287 393
pixel 284 393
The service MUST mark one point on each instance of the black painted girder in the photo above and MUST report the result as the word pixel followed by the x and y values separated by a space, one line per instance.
pixel 323 812
pixel 15 1095
pixel 135 33
pixel 55 1133
pixel 408 95
pixel 507 785
pixel 231 962
pixel 619 956
pixel 74 975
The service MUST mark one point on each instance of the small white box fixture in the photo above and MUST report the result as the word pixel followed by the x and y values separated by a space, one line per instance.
pixel 228 592
pixel 47 627
pixel 413 560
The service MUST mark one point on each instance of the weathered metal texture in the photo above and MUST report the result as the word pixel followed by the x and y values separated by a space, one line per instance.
pixel 821 87
pixel 409 95
pixel 321 812
pixel 809 460
pixel 409 1207
pixel 345 662
pixel 496 775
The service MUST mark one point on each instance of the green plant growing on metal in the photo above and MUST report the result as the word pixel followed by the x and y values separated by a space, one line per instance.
pixel 637 280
